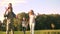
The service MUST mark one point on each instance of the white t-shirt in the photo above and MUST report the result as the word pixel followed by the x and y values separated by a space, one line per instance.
pixel 23 24
pixel 32 18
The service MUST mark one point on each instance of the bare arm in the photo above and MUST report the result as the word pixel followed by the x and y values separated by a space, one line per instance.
pixel 6 10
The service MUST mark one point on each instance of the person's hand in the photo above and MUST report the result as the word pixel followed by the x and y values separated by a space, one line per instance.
pixel 16 16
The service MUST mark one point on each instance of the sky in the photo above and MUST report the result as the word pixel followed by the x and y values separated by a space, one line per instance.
pixel 38 6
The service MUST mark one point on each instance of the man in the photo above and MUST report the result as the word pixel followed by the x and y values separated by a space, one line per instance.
pixel 10 15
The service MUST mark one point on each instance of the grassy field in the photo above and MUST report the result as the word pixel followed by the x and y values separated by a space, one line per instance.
pixel 36 32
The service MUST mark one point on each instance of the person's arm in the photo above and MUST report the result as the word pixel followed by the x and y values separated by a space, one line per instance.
pixel 5 14
pixel 27 22
pixel 35 16
pixel 6 10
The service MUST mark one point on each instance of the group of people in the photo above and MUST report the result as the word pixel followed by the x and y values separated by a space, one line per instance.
pixel 10 15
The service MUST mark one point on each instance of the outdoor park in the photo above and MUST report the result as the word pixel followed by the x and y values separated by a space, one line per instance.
pixel 29 16
pixel 45 24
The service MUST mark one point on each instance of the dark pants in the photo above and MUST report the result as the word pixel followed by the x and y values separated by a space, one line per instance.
pixel 24 29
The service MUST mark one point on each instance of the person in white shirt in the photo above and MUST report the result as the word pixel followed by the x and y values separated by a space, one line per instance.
pixel 31 21
pixel 24 25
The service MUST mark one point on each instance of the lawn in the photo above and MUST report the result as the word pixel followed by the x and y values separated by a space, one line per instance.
pixel 36 32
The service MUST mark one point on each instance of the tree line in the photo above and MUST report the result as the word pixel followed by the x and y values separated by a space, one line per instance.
pixel 43 22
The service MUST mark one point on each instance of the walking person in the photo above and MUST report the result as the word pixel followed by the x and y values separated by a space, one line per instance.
pixel 24 25
pixel 31 21
pixel 10 15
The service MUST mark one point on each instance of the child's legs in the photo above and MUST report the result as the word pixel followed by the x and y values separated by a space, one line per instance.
pixel 24 29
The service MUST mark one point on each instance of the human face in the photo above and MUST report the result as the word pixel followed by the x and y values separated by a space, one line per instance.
pixel 9 5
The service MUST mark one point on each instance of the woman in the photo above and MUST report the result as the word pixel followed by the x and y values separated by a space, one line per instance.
pixel 31 21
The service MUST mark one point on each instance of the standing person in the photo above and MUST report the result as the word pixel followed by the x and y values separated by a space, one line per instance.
pixel 24 25
pixel 10 15
pixel 31 21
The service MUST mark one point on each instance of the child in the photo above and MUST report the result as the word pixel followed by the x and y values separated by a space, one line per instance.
pixel 24 25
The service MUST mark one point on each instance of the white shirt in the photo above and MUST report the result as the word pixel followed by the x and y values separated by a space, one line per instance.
pixel 32 18
pixel 23 24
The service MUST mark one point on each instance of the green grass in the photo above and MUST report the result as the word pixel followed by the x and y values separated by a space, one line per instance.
pixel 36 32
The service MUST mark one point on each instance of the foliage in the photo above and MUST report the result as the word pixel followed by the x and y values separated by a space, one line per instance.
pixel 42 21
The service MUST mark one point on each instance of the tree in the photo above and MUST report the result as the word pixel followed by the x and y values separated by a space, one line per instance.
pixel 20 16
pixel 0 25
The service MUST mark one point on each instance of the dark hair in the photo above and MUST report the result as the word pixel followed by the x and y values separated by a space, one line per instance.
pixel 32 12
pixel 10 7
